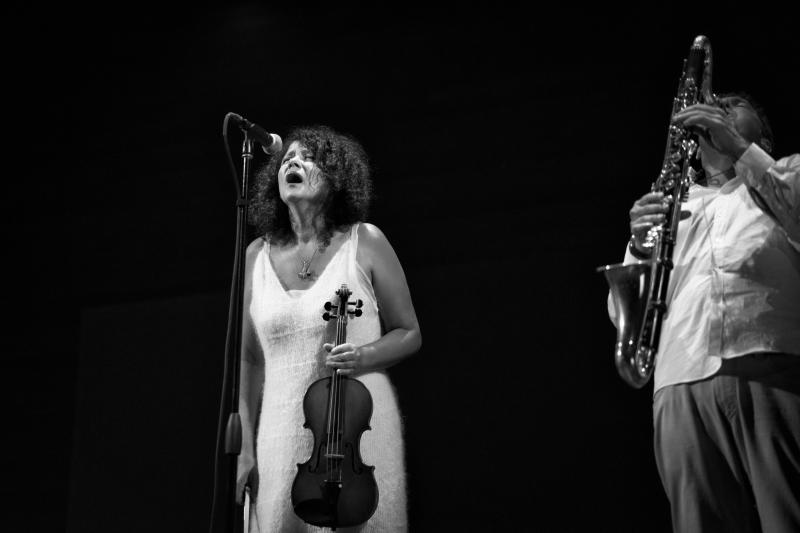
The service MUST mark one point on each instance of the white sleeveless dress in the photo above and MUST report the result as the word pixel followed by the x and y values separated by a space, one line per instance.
pixel 291 332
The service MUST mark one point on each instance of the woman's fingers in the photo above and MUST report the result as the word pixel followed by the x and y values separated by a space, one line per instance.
pixel 334 350
pixel 343 358
pixel 346 364
pixel 339 357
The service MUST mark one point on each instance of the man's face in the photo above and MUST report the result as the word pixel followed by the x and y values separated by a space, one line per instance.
pixel 744 117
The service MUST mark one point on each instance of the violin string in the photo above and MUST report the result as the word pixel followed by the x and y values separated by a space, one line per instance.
pixel 339 393
pixel 334 400
pixel 337 410
pixel 329 441
pixel 342 389
pixel 341 338
pixel 337 400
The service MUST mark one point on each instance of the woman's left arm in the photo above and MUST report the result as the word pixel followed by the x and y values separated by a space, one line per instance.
pixel 402 337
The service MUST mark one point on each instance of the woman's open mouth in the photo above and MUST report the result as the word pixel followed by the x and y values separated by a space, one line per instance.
pixel 293 177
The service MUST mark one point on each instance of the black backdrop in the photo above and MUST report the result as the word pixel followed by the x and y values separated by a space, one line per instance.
pixel 507 148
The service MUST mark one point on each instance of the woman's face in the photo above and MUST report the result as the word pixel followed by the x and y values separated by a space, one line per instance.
pixel 299 177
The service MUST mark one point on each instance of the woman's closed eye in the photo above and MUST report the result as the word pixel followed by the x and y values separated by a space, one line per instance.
pixel 306 157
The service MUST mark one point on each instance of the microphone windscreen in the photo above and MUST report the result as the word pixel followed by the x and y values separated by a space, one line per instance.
pixel 275 146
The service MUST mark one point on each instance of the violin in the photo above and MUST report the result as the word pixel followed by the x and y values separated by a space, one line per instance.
pixel 334 488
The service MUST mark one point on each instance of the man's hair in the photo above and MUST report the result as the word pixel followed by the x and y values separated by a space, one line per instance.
pixel 344 166
pixel 767 140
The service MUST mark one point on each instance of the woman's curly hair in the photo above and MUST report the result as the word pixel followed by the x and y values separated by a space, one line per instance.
pixel 345 167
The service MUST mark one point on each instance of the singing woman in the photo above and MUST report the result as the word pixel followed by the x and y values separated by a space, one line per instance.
pixel 309 204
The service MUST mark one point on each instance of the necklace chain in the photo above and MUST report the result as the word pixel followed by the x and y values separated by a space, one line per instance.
pixel 305 265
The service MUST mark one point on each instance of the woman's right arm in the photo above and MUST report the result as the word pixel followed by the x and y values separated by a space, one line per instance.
pixel 250 384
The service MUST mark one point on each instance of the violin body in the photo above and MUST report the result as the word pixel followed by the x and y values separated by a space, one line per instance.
pixel 334 488
pixel 319 495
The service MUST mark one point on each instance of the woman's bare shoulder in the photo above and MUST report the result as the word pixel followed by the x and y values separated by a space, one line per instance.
pixel 371 235
pixel 252 250
pixel 255 245
pixel 374 247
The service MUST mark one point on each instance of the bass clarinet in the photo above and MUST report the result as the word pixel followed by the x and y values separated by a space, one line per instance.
pixel 639 290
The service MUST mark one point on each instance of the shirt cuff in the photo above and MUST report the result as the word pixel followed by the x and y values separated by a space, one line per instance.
pixel 629 257
pixel 753 164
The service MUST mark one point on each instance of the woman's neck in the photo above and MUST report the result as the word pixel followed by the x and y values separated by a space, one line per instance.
pixel 308 223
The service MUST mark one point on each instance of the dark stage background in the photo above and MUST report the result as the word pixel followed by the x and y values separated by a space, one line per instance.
pixel 507 148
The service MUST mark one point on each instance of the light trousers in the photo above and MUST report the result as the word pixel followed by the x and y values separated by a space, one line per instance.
pixel 728 447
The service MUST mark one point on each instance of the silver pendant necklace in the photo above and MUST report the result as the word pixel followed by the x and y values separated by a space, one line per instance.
pixel 305 268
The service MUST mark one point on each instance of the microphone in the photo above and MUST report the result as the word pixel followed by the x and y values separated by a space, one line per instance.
pixel 271 143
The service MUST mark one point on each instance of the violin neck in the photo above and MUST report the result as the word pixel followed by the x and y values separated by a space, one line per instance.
pixel 335 391
pixel 341 330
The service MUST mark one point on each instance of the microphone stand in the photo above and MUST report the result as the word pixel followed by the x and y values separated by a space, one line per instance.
pixel 227 515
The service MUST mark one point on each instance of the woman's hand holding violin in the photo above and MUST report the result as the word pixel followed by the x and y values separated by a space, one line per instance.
pixel 347 358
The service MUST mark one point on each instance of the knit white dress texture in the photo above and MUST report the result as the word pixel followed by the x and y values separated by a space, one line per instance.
pixel 291 332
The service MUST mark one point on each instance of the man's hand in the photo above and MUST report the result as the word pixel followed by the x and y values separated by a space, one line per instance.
pixel 716 126
pixel 647 211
